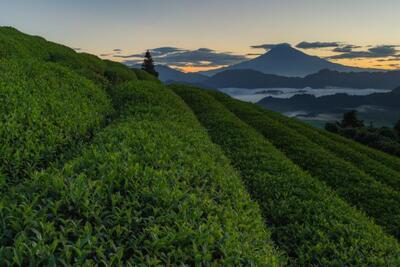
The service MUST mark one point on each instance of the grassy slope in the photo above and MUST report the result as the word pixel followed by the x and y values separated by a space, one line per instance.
pixel 17 45
pixel 345 151
pixel 120 200
pixel 151 189
pixel 310 222
pixel 52 101
pixel 384 158
pixel 353 185
pixel 46 110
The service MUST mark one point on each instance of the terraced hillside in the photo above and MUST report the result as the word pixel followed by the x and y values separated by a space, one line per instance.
pixel 104 165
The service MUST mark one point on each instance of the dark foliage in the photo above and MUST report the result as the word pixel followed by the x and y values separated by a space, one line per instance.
pixel 148 64
pixel 397 128
pixel 350 120
pixel 384 138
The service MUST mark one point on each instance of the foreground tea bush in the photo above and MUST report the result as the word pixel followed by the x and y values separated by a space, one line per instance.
pixel 45 110
pixel 117 73
pixel 379 201
pixel 152 190
pixel 144 76
pixel 17 45
pixel 343 150
pixel 306 218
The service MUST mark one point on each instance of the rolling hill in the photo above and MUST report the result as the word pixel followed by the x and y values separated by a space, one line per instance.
pixel 104 165
pixel 284 60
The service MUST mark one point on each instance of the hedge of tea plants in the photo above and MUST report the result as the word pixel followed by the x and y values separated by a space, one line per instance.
pixel 151 190
pixel 378 200
pixel 144 76
pixel 345 151
pixel 384 158
pixel 17 45
pixel 309 221
pixel 45 110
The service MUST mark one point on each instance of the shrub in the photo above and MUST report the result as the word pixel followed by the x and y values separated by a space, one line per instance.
pixel 86 65
pixel 144 76
pixel 385 159
pixel 14 44
pixel 310 222
pixel 152 190
pixel 117 73
pixel 350 119
pixel 360 160
pixel 45 109
pixel 384 139
pixel 353 185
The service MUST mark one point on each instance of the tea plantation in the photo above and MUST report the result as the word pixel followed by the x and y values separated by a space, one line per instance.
pixel 103 165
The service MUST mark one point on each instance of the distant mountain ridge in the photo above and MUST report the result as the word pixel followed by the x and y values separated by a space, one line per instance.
pixel 284 60
pixel 168 75
pixel 324 78
pixel 329 103
pixel 282 66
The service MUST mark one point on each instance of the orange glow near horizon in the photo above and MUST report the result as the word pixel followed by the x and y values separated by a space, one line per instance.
pixel 370 63
pixel 361 63
pixel 188 69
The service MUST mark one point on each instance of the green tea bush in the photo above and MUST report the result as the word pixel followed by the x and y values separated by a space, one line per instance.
pixel 151 190
pixel 86 65
pixel 310 222
pixel 117 73
pixel 144 76
pixel 16 45
pixel 384 158
pixel 379 201
pixel 45 109
pixel 343 150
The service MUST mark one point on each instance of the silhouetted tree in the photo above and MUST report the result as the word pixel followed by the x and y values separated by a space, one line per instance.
pixel 350 120
pixel 148 64
pixel 371 125
pixel 333 127
pixel 397 127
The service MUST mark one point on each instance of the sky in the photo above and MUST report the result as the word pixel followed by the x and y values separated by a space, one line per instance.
pixel 198 35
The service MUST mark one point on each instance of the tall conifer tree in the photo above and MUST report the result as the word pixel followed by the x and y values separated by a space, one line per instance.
pixel 148 64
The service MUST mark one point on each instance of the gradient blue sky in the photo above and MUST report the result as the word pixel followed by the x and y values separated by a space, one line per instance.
pixel 99 26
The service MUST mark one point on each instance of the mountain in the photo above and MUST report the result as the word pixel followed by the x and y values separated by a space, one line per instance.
pixel 324 78
pixel 284 60
pixel 168 75
pixel 361 80
pixel 396 91
pixel 331 103
pixel 252 79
